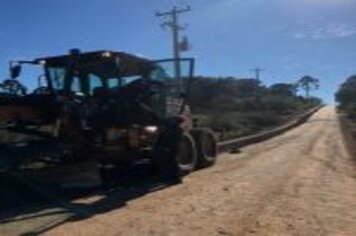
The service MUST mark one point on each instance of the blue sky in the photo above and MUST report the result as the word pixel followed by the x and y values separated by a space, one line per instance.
pixel 289 38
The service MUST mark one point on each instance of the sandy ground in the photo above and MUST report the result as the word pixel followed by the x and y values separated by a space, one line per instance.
pixel 300 183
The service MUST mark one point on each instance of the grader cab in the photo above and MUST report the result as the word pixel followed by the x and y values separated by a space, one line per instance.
pixel 106 107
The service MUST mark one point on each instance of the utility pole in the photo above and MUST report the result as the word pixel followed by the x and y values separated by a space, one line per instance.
pixel 171 20
pixel 257 72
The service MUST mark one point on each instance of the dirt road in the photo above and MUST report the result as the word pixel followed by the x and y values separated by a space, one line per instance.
pixel 300 183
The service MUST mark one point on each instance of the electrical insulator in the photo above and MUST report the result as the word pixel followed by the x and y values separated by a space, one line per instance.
pixel 184 45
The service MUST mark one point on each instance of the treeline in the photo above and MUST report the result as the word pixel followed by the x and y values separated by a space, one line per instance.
pixel 346 97
pixel 237 107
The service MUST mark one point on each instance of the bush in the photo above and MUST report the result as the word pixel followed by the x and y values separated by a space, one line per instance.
pixel 284 105
pixel 238 107
pixel 263 119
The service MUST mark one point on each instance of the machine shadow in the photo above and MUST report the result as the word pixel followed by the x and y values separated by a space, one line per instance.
pixel 121 186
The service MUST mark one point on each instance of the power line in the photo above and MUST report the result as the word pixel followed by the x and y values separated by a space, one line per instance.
pixel 171 21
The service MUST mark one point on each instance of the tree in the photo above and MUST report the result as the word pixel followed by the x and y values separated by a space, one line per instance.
pixel 283 89
pixel 249 88
pixel 346 95
pixel 308 83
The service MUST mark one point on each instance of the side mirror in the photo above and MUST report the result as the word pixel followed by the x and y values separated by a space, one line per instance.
pixel 15 71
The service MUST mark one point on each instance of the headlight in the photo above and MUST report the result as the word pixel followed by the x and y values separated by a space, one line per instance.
pixel 106 54
pixel 151 129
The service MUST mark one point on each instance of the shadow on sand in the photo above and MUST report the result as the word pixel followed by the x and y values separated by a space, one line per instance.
pixel 21 204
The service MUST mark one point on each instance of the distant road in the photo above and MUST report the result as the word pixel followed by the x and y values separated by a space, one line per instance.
pixel 300 183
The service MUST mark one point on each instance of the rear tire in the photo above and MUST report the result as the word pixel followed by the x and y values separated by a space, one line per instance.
pixel 207 150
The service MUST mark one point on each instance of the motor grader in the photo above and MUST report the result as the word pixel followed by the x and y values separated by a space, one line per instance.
pixel 103 106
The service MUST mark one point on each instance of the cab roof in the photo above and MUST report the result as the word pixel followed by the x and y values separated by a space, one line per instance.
pixel 104 63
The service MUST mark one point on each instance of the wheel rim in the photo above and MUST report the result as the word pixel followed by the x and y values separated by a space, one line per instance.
pixel 185 155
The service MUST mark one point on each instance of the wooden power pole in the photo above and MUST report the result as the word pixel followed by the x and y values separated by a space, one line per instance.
pixel 171 21
pixel 257 72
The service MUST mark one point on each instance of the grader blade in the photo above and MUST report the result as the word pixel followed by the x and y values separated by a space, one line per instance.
pixel 74 175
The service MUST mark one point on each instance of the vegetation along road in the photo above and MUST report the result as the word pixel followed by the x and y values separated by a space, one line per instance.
pixel 300 183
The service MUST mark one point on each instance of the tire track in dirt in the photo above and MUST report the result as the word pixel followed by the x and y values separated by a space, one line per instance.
pixel 319 198
pixel 277 188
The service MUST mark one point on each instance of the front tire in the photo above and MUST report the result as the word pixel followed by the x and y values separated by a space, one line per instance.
pixel 186 156
pixel 207 150
pixel 174 154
